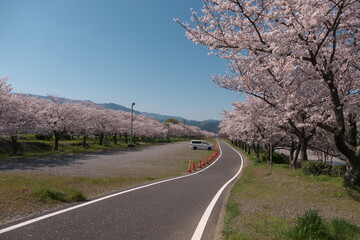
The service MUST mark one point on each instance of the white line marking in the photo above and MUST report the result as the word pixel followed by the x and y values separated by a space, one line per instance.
pixel 4 230
pixel 204 219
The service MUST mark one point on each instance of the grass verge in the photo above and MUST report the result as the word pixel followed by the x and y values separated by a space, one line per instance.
pixel 267 206
pixel 24 193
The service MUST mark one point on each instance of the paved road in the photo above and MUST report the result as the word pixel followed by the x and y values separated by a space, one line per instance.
pixel 167 210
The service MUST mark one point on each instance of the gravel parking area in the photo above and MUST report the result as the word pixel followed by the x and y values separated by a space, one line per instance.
pixel 130 162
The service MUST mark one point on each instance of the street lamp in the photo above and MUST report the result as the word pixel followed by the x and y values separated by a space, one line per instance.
pixel 131 125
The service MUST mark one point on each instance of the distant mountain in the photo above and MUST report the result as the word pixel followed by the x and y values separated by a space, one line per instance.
pixel 115 106
pixel 207 125
pixel 210 125
pixel 162 118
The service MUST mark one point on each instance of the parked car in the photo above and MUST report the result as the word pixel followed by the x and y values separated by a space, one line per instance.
pixel 200 144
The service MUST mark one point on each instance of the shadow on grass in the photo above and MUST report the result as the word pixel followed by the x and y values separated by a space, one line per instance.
pixel 61 159
pixel 354 193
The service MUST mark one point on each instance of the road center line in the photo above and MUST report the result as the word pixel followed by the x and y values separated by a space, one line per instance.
pixel 205 218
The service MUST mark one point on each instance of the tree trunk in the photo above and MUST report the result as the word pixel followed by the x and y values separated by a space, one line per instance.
pixel 115 139
pixel 101 139
pixel 14 145
pixel 267 151
pixel 352 176
pixel 243 146
pixel 126 138
pixel 292 163
pixel 57 138
pixel 84 144
pixel 304 145
pixel 346 145
pixel 256 148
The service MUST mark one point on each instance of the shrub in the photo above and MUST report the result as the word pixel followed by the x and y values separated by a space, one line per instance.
pixel 341 229
pixel 75 196
pixel 316 168
pixel 280 158
pixel 46 137
pixel 338 170
pixel 262 157
pixel 49 194
pixel 277 158
pixel 311 226
pixel 66 137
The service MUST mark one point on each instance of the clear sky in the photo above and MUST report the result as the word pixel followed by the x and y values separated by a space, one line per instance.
pixel 111 51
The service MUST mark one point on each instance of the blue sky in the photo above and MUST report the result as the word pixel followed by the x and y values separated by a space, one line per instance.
pixel 111 51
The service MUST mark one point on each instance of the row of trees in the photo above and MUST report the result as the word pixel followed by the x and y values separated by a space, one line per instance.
pixel 256 127
pixel 300 62
pixel 24 114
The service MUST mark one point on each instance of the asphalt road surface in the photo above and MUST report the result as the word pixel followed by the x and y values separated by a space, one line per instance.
pixel 174 209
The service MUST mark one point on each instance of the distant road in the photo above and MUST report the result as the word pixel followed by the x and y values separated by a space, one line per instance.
pixel 169 210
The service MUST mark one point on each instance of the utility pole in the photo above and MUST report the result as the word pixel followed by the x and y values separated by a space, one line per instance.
pixel 131 125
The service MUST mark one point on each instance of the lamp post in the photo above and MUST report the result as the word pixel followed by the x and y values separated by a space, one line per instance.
pixel 131 125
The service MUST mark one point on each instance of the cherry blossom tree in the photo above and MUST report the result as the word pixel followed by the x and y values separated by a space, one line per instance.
pixel 5 93
pixel 254 124
pixel 18 117
pixel 102 123
pixel 56 118
pixel 84 121
pixel 280 44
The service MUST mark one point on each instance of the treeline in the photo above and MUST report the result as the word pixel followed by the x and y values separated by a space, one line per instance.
pixel 55 117
pixel 299 61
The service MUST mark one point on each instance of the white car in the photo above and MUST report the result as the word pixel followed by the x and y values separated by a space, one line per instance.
pixel 200 144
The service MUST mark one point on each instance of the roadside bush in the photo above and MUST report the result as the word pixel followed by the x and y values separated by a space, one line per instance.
pixel 342 229
pixel 66 137
pixel 75 196
pixel 316 168
pixel 46 137
pixel 309 226
pixel 49 194
pixel 312 227
pixel 338 170
pixel 280 158
pixel 262 158
pixel 277 158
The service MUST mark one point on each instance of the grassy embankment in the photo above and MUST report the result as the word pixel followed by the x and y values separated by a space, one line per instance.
pixel 26 193
pixel 286 204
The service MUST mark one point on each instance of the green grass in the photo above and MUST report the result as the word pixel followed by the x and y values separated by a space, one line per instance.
pixel 22 193
pixel 265 206
pixel 49 194
pixel 232 210
pixel 30 146
pixel 312 227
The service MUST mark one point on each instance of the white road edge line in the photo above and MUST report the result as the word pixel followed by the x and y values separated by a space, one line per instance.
pixel 204 219
pixel 19 225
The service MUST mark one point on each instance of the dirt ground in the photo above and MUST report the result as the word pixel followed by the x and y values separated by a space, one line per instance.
pixel 129 162
pixel 102 173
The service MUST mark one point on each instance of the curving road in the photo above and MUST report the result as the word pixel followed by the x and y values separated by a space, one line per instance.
pixel 186 207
